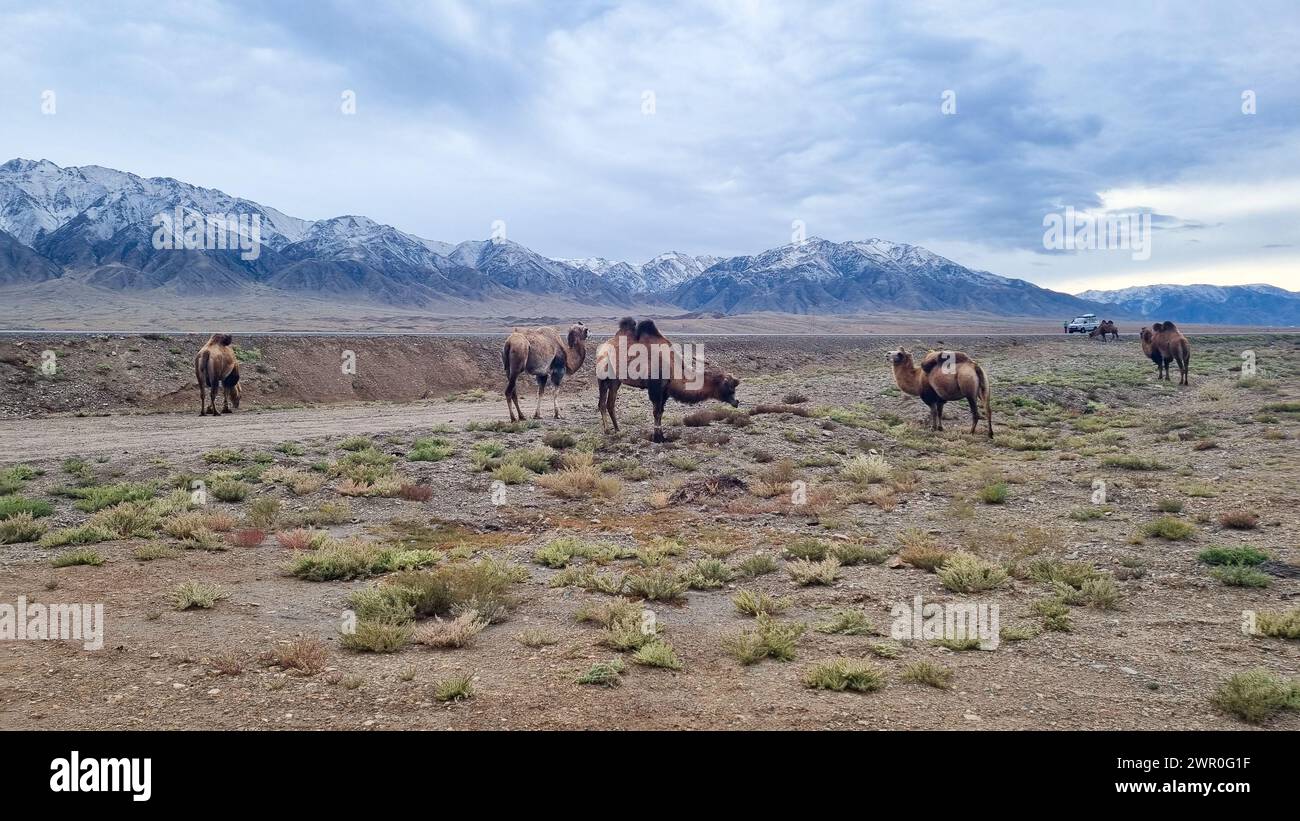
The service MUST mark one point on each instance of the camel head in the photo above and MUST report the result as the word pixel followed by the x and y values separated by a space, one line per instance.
pixel 577 333
pixel 899 357
pixel 1146 334
pixel 234 395
pixel 722 386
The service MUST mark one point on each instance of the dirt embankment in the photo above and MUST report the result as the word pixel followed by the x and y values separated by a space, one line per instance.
pixel 115 373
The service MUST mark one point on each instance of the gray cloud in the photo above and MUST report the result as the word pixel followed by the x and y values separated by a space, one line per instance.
pixel 764 113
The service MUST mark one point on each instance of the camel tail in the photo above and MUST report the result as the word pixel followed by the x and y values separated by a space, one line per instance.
pixel 505 358
pixel 647 327
pixel 984 397
pixel 627 324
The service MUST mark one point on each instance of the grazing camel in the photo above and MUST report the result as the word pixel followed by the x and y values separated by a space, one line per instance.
pixel 215 367
pixel 640 357
pixel 1106 327
pixel 544 354
pixel 944 376
pixel 1163 343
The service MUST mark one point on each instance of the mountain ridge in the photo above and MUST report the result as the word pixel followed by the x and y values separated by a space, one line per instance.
pixel 96 225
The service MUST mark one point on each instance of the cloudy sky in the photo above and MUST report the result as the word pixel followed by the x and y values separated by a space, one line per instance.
pixel 625 129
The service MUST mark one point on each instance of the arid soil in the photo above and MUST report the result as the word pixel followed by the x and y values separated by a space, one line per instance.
pixel 1068 413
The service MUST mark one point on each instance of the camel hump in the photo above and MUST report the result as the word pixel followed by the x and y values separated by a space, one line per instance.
pixel 936 358
pixel 627 325
pixel 221 339
pixel 1168 326
pixel 647 327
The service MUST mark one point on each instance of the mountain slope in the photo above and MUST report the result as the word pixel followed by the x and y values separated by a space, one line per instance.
pixel 1215 304
pixel 21 265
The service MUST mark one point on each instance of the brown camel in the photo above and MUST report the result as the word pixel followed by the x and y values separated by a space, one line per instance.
pixel 1163 343
pixel 944 376
pixel 640 357
pixel 1103 330
pixel 215 367
pixel 544 354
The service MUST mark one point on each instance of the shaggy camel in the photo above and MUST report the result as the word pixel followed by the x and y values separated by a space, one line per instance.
pixel 1106 327
pixel 544 354
pixel 1163 343
pixel 215 367
pixel 944 377
pixel 640 357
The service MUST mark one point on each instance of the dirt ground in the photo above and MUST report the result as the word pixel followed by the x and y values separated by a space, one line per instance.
pixel 1067 413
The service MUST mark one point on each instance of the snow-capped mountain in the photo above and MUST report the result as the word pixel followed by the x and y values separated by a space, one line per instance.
pixel 659 274
pixel 39 197
pixel 96 226
pixel 819 276
pixel 1217 304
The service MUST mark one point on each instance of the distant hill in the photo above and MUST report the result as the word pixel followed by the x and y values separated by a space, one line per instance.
pixel 1211 304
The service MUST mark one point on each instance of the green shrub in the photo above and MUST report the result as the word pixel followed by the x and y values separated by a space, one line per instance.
pixel 967 573
pixel 15 505
pixel 1256 695
pixel 75 557
pixel 21 527
pixel 1167 527
pixel 844 674
pixel 377 637
pixel 1246 556
pixel 994 494
pixel 1236 575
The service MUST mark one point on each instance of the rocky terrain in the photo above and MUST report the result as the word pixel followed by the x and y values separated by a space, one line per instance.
pixel 425 565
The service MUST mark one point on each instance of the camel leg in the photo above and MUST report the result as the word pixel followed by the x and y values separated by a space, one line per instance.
pixel 541 388
pixel 974 414
pixel 609 403
pixel 938 415
pixel 225 399
pixel 555 400
pixel 212 399
pixel 510 394
pixel 658 398
pixel 604 387
pixel 203 406
pixel 519 412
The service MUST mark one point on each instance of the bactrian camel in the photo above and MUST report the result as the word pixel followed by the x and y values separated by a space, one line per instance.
pixel 640 357
pixel 1163 343
pixel 1105 329
pixel 215 367
pixel 543 354
pixel 944 376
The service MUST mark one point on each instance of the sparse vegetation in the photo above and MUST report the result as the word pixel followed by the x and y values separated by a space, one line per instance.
pixel 1256 695
pixel 929 674
pixel 967 573
pixel 78 557
pixel 847 623
pixel 1167 527
pixel 195 594
pixel 844 674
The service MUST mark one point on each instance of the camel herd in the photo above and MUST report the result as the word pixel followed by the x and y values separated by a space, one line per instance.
pixel 639 356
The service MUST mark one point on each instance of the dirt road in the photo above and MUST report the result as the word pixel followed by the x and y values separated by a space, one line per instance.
pixel 60 437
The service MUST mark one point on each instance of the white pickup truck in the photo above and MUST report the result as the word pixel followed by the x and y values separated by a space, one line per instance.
pixel 1085 324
